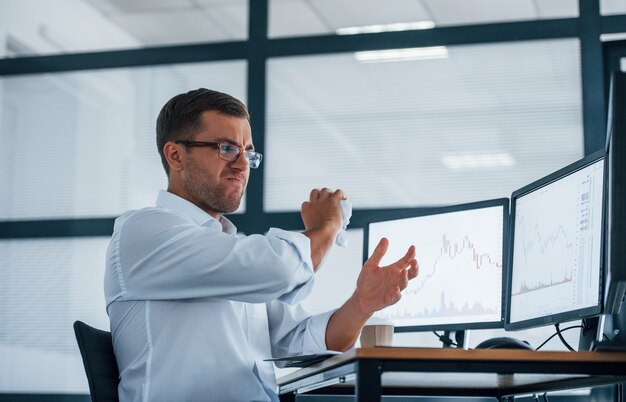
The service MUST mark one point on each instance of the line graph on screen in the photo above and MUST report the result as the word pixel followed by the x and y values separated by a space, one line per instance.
pixel 555 248
pixel 460 259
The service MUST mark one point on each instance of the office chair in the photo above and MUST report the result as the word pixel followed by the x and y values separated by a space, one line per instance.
pixel 96 348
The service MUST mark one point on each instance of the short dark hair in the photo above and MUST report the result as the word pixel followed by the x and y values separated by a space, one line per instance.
pixel 179 118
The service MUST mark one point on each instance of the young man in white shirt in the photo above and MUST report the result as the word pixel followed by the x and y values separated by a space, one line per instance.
pixel 194 307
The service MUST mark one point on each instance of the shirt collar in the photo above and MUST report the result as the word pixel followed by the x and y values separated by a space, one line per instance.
pixel 167 200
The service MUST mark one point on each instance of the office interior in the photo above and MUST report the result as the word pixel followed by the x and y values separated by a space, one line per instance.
pixel 400 103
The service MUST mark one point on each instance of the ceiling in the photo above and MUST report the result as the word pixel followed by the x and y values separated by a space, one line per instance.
pixel 159 22
pixel 37 27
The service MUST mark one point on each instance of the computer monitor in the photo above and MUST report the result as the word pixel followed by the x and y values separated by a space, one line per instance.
pixel 616 196
pixel 460 250
pixel 556 247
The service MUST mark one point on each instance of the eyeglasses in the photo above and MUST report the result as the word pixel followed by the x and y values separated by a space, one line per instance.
pixel 226 151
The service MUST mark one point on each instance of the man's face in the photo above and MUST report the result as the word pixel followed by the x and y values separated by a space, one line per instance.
pixel 216 185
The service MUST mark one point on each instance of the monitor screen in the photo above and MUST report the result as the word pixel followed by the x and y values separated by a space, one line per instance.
pixel 460 253
pixel 556 246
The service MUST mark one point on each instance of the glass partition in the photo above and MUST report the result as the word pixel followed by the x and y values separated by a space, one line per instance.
pixel 459 124
pixel 83 144
pixel 45 285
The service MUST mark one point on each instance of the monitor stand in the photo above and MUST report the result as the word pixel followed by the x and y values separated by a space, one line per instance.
pixel 459 337
pixel 591 333
pixel 614 328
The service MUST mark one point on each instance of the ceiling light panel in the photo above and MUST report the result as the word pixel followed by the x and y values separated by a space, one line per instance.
pixel 490 160
pixel 417 53
pixel 394 27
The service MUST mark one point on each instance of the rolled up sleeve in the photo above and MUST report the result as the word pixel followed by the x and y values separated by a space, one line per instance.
pixel 293 330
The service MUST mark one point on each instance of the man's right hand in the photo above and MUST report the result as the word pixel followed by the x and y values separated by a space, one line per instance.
pixel 321 215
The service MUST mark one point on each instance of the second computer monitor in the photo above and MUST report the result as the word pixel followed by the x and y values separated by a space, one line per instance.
pixel 460 251
pixel 556 247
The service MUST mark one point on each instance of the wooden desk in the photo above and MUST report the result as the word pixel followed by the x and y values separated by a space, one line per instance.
pixel 372 372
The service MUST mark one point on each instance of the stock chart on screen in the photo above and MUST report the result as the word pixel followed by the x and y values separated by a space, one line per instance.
pixel 460 266
pixel 557 246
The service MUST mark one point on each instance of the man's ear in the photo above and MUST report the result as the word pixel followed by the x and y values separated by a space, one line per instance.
pixel 173 155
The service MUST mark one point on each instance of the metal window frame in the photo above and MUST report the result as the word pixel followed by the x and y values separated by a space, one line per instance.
pixel 258 48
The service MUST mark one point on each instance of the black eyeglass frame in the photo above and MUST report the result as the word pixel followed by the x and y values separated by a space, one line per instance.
pixel 254 158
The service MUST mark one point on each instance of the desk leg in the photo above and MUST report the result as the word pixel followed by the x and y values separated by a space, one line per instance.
pixel 290 397
pixel 368 381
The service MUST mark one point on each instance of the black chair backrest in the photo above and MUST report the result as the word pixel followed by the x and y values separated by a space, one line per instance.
pixel 96 348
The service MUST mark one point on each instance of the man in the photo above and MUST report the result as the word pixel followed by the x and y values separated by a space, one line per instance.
pixel 194 307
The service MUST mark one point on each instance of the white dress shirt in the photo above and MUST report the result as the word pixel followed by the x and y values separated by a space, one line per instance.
pixel 196 308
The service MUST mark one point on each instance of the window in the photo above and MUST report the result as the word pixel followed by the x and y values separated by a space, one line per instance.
pixel 476 123
pixel 84 142
pixel 45 285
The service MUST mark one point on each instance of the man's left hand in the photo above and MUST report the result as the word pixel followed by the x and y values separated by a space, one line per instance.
pixel 379 287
